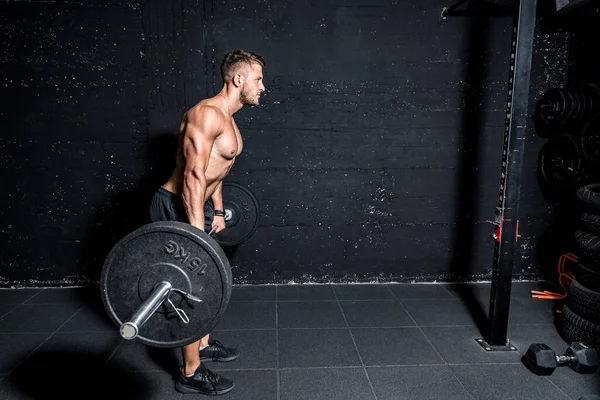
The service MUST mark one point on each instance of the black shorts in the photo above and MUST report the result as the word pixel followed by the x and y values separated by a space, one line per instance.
pixel 168 206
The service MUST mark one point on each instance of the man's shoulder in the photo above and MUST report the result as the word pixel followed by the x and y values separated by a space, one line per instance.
pixel 206 118
pixel 204 112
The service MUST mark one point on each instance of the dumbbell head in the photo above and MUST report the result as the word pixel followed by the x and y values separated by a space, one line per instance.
pixel 590 397
pixel 583 359
pixel 540 359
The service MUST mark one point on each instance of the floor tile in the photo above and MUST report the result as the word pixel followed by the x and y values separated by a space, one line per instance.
pixel 89 319
pixel 316 348
pixel 67 350
pixel 458 345
pixel 305 293
pixel 15 347
pixel 386 313
pixel 506 382
pixel 254 293
pixel 74 296
pixel 575 384
pixel 253 315
pixel 90 383
pixel 5 308
pixel 258 349
pixel 419 291
pixel 479 291
pixel 325 383
pixel 431 382
pixel 522 336
pixel 394 346
pixel 310 315
pixel 37 318
pixel 132 356
pixel 449 312
pixel 250 385
pixel 17 296
pixel 362 292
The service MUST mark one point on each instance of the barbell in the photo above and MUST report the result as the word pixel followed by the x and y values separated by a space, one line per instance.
pixel 167 283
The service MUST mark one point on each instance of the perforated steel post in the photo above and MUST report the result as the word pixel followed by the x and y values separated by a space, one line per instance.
pixel 507 212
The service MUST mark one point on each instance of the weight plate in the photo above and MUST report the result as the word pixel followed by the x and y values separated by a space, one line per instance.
pixel 560 161
pixel 245 214
pixel 184 255
pixel 551 107
pixel 569 107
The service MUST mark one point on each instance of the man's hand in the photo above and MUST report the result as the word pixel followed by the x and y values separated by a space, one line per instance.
pixel 218 223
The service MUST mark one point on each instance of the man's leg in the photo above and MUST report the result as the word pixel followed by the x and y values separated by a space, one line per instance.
pixel 194 377
pixel 191 358
pixel 214 350
pixel 204 341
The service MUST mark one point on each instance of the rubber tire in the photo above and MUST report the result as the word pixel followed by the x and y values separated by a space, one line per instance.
pixel 584 305
pixel 590 223
pixel 580 322
pixel 570 333
pixel 587 273
pixel 589 195
pixel 589 245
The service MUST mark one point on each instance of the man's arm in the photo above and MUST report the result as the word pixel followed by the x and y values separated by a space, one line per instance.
pixel 217 197
pixel 203 127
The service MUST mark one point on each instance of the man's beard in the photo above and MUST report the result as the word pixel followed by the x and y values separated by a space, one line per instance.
pixel 247 100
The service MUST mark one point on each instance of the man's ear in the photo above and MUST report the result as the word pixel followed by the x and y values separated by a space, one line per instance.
pixel 238 80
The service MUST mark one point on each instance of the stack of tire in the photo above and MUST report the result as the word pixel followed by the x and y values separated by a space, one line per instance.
pixel 569 119
pixel 580 318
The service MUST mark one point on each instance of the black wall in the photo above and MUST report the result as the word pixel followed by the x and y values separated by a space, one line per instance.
pixel 375 154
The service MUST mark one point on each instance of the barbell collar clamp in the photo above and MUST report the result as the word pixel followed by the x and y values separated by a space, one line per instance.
pixel 187 295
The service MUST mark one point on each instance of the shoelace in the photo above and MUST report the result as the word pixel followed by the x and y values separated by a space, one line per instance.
pixel 218 346
pixel 209 377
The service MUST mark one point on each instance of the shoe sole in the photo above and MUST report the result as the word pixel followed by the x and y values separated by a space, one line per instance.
pixel 219 359
pixel 186 389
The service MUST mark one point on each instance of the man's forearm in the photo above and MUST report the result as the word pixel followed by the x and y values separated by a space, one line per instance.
pixel 217 197
pixel 194 189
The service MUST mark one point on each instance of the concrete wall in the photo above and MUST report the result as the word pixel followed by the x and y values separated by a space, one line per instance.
pixel 375 154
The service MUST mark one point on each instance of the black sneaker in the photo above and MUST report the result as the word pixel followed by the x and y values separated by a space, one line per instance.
pixel 215 351
pixel 204 381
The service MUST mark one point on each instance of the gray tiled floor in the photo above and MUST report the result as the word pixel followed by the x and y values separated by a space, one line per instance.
pixel 367 342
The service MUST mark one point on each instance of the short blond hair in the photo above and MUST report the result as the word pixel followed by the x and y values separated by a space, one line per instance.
pixel 232 59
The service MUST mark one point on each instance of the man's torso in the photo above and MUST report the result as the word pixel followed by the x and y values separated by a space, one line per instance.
pixel 227 146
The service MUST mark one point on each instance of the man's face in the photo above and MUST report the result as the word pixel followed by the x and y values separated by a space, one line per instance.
pixel 253 86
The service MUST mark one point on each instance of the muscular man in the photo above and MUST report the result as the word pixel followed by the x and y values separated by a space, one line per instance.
pixel 209 142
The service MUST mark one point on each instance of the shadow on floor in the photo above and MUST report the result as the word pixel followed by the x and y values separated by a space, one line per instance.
pixel 75 375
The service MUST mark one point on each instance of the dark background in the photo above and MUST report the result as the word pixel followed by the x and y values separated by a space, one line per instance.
pixel 375 154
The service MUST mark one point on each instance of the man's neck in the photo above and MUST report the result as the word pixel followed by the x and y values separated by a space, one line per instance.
pixel 232 106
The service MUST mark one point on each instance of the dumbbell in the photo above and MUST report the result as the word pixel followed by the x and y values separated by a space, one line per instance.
pixel 541 359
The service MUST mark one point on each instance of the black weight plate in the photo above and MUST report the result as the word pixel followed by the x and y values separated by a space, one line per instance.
pixel 551 107
pixel 570 106
pixel 560 161
pixel 245 214
pixel 177 252
pixel 578 106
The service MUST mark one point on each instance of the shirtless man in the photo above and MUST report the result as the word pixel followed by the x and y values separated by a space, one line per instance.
pixel 209 142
